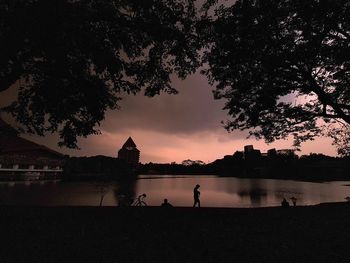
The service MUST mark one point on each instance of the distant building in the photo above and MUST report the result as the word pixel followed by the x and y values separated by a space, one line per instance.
pixel 129 152
pixel 22 159
pixel 250 154
pixel 238 155
pixel 248 148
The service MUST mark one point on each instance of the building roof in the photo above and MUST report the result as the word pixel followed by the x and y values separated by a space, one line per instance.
pixel 17 145
pixel 6 129
pixel 11 143
pixel 129 143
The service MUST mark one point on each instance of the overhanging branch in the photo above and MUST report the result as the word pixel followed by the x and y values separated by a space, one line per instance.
pixel 326 99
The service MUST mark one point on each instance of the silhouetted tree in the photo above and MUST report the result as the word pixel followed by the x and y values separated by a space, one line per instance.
pixel 102 188
pixel 72 58
pixel 283 67
pixel 189 162
pixel 341 138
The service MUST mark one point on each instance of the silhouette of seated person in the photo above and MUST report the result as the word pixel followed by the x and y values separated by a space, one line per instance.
pixel 166 203
pixel 284 203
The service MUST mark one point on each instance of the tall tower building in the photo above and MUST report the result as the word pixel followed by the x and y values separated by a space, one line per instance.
pixel 129 152
pixel 248 148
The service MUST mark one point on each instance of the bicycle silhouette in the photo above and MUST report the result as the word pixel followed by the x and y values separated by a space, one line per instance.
pixel 140 201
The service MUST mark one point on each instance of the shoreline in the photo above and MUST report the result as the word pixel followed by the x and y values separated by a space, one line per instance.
pixel 317 233
pixel 184 208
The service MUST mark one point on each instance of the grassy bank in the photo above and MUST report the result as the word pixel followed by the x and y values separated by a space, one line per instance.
pixel 91 234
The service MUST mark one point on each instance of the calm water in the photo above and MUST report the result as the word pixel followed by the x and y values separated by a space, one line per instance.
pixel 215 192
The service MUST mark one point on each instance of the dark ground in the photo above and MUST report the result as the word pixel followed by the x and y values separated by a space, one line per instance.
pixel 91 234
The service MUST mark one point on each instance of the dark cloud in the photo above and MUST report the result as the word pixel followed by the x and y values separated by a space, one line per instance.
pixel 192 110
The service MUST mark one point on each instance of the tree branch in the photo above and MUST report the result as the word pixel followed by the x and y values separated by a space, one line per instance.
pixel 327 115
pixel 344 106
pixel 346 34
pixel 327 100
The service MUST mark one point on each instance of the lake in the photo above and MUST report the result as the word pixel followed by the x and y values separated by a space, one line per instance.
pixel 215 192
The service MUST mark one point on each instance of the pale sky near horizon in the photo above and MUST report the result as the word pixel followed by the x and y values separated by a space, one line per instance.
pixel 170 128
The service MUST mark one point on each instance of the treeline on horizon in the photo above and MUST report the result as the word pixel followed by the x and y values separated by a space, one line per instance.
pixel 313 167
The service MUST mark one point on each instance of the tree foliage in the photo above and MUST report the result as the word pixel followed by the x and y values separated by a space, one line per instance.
pixel 283 66
pixel 341 138
pixel 73 58
pixel 189 162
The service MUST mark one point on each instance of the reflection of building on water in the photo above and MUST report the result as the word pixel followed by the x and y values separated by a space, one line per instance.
pixel 129 152
pixel 21 159
pixel 255 195
pixel 124 192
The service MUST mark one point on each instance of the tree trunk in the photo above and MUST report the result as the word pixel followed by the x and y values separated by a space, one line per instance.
pixel 101 200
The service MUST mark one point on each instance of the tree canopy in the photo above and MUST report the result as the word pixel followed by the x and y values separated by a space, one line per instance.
pixel 283 67
pixel 73 58
pixel 189 162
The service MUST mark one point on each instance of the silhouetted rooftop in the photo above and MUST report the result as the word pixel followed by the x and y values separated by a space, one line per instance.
pixel 129 143
pixel 6 129
pixel 14 144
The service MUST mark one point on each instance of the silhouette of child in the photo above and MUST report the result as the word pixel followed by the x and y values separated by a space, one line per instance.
pixel 196 195
pixel 294 201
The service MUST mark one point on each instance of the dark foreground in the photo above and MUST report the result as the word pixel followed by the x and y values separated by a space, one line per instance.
pixel 86 234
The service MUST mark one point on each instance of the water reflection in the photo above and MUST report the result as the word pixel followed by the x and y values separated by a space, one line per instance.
pixel 215 192
pixel 237 192
pixel 124 192
pixel 254 190
pixel 256 196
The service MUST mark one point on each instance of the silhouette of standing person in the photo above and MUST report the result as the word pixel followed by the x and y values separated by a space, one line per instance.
pixel 196 195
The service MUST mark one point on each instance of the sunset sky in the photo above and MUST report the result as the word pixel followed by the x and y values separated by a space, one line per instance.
pixel 170 128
